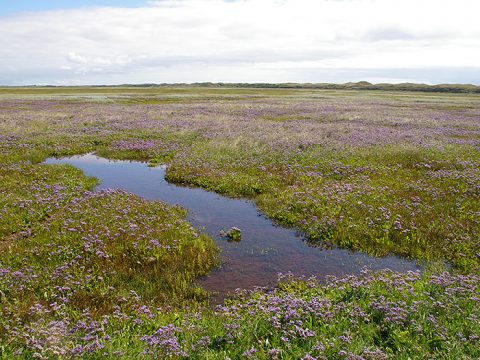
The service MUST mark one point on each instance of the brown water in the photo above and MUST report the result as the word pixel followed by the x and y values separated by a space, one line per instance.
pixel 265 249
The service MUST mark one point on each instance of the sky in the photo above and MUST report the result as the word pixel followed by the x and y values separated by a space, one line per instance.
pixel 133 41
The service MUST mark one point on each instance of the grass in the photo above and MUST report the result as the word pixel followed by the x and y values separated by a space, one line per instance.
pixel 376 316
pixel 398 199
pixel 108 274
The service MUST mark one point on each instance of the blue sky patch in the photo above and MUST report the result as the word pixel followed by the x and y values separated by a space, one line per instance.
pixel 10 7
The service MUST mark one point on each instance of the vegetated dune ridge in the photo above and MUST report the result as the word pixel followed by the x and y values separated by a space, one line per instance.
pixel 360 85
pixel 103 274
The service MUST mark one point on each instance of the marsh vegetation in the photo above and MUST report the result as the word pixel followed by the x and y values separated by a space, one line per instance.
pixel 107 273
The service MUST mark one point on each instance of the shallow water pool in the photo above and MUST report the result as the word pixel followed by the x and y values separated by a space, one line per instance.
pixel 265 249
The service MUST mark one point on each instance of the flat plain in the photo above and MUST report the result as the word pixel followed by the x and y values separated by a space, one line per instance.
pixel 103 274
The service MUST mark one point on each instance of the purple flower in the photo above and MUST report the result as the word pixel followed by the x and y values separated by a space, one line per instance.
pixel 249 353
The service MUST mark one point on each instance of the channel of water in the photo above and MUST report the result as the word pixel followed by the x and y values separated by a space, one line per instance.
pixel 265 249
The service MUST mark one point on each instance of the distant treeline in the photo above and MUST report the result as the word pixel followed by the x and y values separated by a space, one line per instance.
pixel 361 85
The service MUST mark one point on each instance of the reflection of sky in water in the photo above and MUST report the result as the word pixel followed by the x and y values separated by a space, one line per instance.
pixel 265 249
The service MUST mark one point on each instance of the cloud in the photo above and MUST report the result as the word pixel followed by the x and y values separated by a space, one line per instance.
pixel 75 58
pixel 243 40
pixel 388 34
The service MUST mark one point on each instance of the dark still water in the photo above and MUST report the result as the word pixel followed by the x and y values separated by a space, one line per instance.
pixel 265 248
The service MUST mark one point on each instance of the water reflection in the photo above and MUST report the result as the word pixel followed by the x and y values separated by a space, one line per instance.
pixel 264 250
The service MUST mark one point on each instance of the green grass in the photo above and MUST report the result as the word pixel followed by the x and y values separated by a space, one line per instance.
pixel 376 316
pixel 381 172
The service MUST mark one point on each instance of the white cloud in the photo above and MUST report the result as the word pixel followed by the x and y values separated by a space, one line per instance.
pixel 75 58
pixel 245 41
